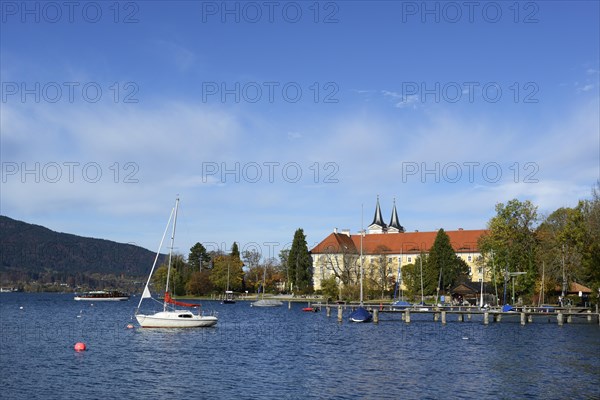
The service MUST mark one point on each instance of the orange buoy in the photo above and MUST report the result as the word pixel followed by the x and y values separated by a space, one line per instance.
pixel 79 346
pixel 129 326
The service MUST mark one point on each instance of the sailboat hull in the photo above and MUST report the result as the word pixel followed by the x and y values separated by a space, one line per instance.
pixel 266 303
pixel 175 319
pixel 361 315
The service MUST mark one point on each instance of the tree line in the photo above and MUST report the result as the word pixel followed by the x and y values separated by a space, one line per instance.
pixel 206 273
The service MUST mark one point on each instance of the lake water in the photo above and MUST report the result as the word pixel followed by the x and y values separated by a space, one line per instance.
pixel 276 353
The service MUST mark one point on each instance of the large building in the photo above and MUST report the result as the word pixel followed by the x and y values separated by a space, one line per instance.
pixel 339 252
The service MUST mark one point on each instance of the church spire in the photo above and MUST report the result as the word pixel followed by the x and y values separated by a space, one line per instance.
pixel 378 219
pixel 394 223
pixel 377 226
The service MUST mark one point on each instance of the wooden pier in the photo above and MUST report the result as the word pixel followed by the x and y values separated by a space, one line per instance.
pixel 442 314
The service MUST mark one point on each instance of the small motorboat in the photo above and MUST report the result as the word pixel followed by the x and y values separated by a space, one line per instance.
pixel 229 299
pixel 311 309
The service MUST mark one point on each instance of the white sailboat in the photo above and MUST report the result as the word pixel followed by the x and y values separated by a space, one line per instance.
pixel 228 293
pixel 262 302
pixel 170 317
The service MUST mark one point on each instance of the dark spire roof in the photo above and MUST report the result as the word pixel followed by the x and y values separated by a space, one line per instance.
pixel 394 223
pixel 378 219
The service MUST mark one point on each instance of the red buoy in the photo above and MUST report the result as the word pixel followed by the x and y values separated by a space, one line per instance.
pixel 79 346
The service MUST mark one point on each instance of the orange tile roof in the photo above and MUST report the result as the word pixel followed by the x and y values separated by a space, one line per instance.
pixel 463 241
pixel 575 287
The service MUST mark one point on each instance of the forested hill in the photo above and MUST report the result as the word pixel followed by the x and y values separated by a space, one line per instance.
pixel 32 252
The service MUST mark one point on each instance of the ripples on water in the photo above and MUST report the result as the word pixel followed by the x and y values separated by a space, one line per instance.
pixel 285 354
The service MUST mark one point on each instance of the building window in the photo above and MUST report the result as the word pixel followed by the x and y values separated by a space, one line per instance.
pixel 409 259
pixel 469 258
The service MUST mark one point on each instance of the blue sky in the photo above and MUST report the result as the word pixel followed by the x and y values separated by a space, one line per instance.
pixel 266 117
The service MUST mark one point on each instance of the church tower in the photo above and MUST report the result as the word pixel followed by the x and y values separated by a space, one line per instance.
pixel 377 226
pixel 395 226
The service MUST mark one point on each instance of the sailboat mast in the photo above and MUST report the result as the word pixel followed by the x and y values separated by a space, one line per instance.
pixel 421 259
pixel 171 252
pixel 227 275
pixel 264 281
pixel 361 253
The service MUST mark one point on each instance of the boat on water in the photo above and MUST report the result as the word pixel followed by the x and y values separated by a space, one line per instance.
pixel 265 302
pixel 229 299
pixel 171 317
pixel 102 295
pixel 361 314
pixel 401 305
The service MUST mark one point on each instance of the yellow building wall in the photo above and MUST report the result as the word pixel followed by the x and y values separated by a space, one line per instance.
pixel 322 269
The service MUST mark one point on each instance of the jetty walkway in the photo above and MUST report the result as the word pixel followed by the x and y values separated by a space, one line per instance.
pixel 525 314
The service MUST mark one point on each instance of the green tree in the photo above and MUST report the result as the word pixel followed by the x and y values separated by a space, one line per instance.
pixel 284 255
pixel 329 287
pixel 562 243
pixel 444 268
pixel 235 251
pixel 512 243
pixel 198 259
pixel 590 271
pixel 176 282
pixel 222 266
pixel 411 278
pixel 300 264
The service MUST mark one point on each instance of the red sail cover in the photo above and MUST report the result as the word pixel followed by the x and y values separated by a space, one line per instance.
pixel 170 300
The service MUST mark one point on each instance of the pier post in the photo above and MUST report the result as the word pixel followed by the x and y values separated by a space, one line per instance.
pixel 523 320
pixel 340 316
pixel 530 318
pixel 436 317
pixel 499 317
pixel 290 305
pixel 486 318
pixel 589 315
pixel 569 319
pixel 328 311
pixel 375 315
pixel 559 318
pixel 461 317
pixel 407 316
pixel 469 316
pixel 444 317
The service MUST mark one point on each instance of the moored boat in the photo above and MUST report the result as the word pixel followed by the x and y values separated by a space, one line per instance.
pixel 266 303
pixel 229 299
pixel 102 295
pixel 361 315
pixel 170 317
